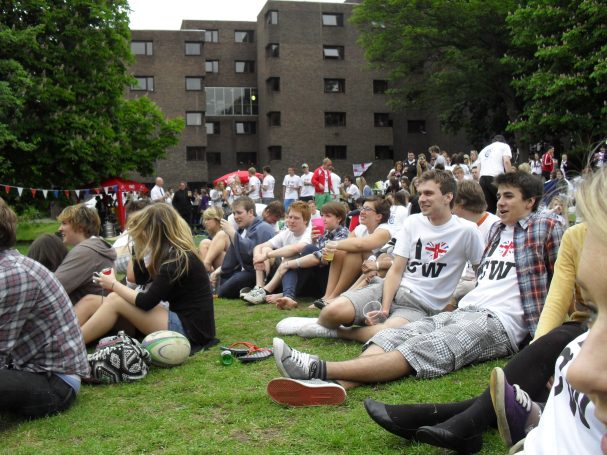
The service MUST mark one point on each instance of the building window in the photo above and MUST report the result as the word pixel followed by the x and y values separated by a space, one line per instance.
pixel 379 86
pixel 212 128
pixel 244 66
pixel 193 83
pixel 214 158
pixel 273 50
pixel 335 85
pixel 193 48
pixel 382 119
pixel 246 127
pixel 333 52
pixel 244 36
pixel 272 17
pixel 384 152
pixel 333 19
pixel 416 126
pixel 335 119
pixel 193 118
pixel 142 47
pixel 273 84
pixel 275 152
pixel 211 36
pixel 246 158
pixel 211 66
pixel 336 152
pixel 194 153
pixel 274 118
pixel 144 83
pixel 231 101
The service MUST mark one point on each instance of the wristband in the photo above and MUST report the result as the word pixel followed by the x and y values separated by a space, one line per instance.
pixel 112 288
pixel 297 262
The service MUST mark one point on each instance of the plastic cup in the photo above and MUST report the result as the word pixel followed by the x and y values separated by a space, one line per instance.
pixel 107 271
pixel 373 313
pixel 319 224
pixel 226 358
pixel 329 255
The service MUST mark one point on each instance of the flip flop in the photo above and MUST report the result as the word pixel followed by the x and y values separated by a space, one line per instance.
pixel 239 352
pixel 256 354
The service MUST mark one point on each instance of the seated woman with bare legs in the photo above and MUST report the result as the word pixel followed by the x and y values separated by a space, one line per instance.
pixel 213 249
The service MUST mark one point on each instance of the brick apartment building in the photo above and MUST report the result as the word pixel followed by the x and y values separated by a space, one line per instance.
pixel 292 87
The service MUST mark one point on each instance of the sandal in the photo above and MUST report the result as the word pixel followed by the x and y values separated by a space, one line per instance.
pixel 320 303
pixel 239 352
pixel 256 354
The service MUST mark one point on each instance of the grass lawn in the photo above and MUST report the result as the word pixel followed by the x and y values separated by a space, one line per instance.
pixel 205 407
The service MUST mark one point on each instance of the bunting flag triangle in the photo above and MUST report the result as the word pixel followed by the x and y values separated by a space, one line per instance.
pixel 19 190
pixel 33 190
pixel 44 192
pixel 106 189
pixel 77 193
pixel 56 193
pixel 67 193
pixel 7 189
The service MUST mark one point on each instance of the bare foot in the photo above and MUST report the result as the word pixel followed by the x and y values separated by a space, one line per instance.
pixel 271 298
pixel 285 303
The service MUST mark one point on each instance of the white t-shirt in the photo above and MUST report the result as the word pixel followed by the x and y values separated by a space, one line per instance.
pixel 436 256
pixel 335 181
pixel 292 183
pixel 568 424
pixel 398 215
pixel 268 181
pixel 287 237
pixel 361 231
pixel 484 228
pixel 491 158
pixel 353 193
pixel 157 193
pixel 497 287
pixel 307 188
pixel 254 186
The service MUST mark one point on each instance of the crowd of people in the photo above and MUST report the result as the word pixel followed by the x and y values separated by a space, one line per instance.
pixel 451 261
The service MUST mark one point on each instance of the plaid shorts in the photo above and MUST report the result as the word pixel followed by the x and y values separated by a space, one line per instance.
pixel 437 345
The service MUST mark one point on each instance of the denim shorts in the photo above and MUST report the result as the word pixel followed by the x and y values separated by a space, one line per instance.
pixel 175 323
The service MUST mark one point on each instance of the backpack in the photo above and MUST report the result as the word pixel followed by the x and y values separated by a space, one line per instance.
pixel 119 358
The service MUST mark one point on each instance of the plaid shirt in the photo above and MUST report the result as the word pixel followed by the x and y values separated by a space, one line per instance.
pixel 38 328
pixel 339 233
pixel 536 243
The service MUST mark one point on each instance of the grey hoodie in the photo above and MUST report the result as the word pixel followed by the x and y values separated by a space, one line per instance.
pixel 76 271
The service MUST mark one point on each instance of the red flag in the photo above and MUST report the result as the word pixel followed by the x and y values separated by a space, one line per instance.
pixel 33 192
pixel 7 189
pixel 67 193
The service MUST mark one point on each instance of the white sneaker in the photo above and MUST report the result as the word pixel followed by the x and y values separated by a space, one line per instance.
pixel 243 292
pixel 316 330
pixel 312 392
pixel 256 296
pixel 290 326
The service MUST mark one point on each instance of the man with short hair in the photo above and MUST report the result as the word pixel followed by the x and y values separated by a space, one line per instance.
pixel 307 187
pixel 431 251
pixel 410 166
pixel 321 179
pixel 291 185
pixel 335 184
pixel 182 202
pixel 476 173
pixel 237 270
pixel 158 194
pixel 42 353
pixel 267 186
pixel 491 321
pixel 493 160
pixel 80 229
pixel 254 185
pixel 548 162
pixel 436 157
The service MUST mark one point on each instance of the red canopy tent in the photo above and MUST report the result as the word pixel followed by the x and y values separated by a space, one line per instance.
pixel 118 186
pixel 244 177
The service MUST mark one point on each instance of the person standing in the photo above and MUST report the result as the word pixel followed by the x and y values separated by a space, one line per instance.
pixel 336 182
pixel 410 166
pixel 291 185
pixel 182 203
pixel 548 163
pixel 437 157
pixel 267 186
pixel 322 183
pixel 158 194
pixel 493 160
pixel 254 186
pixel 307 187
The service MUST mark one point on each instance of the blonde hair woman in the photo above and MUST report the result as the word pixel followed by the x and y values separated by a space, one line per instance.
pixel 165 254
pixel 213 249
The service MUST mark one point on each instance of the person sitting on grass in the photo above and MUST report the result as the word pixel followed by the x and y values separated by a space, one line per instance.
pixel 213 249
pixel 309 272
pixel 42 355
pixel 287 244
pixel 165 254
pixel 237 270
pixel 48 250
pixel 80 229
pixel 491 321
pixel 367 238
pixel 431 251
pixel 124 243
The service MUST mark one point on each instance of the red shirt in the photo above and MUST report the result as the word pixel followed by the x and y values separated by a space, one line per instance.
pixel 547 162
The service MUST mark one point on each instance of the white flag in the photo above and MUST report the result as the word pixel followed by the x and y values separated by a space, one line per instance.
pixel 44 192
pixel 19 190
pixel 360 169
pixel 77 193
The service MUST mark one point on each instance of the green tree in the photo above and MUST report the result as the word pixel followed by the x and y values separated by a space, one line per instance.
pixel 445 56
pixel 64 119
pixel 560 56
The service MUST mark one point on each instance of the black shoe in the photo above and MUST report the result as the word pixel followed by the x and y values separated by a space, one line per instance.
pixel 440 437
pixel 319 303
pixel 377 411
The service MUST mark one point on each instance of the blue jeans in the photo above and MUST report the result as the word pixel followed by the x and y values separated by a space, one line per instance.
pixel 230 286
pixel 287 203
pixel 295 281
pixel 34 395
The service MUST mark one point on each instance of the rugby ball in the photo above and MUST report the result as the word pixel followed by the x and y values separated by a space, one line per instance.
pixel 167 348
